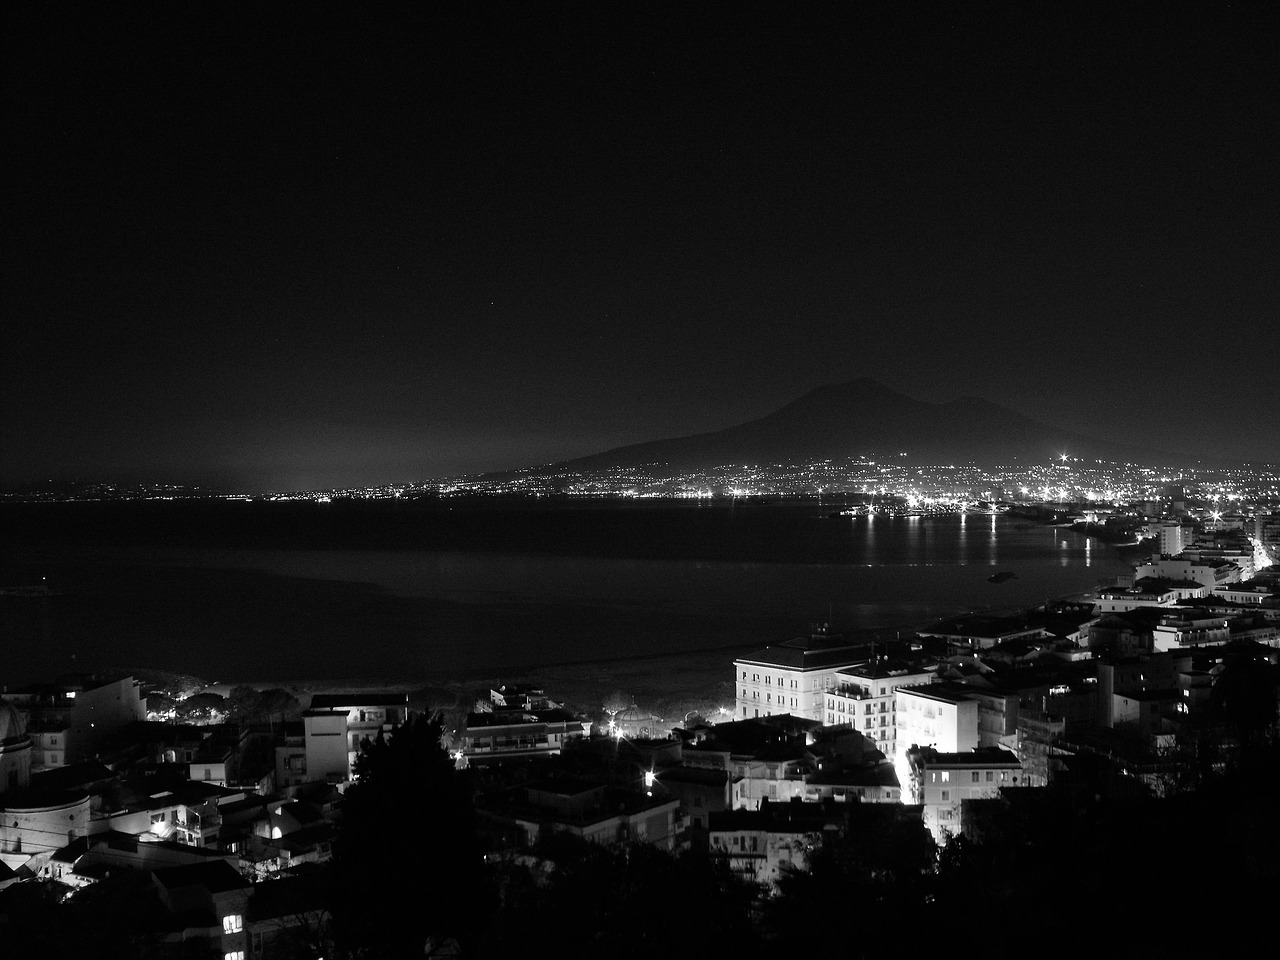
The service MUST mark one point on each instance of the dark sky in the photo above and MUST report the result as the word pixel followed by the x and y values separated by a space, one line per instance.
pixel 334 248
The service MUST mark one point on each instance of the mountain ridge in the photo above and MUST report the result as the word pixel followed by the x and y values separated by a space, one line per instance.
pixel 866 418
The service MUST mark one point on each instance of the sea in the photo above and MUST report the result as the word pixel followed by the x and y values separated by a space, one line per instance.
pixel 436 590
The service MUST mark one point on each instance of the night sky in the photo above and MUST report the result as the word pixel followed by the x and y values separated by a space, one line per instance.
pixel 268 252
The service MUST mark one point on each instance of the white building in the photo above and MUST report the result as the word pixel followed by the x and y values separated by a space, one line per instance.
pixel 32 821
pixel 950 778
pixel 792 677
pixel 338 723
pixel 865 698
pixel 1122 599
pixel 1186 628
pixel 1251 593
pixel 943 716
pixel 1209 572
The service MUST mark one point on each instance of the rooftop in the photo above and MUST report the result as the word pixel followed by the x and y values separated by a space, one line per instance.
pixel 216 876
pixel 982 757
pixel 366 698
pixel 801 658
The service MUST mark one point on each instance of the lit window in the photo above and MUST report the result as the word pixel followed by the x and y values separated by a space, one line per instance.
pixel 233 955
pixel 232 923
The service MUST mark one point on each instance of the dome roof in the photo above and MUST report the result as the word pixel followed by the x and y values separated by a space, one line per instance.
pixel 13 732
pixel 633 714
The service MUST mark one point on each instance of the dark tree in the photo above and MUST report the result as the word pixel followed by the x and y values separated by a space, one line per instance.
pixel 1244 697
pixel 248 705
pixel 636 901
pixel 409 878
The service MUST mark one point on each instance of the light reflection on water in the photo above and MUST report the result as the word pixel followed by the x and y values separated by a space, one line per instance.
pixel 896 568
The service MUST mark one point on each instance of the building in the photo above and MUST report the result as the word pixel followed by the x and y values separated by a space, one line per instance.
pixel 793 677
pixel 1160 671
pixel 335 726
pixel 943 716
pixel 591 811
pixel 1250 593
pixel 71 717
pixel 35 822
pixel 210 901
pixel 1207 572
pixel 506 733
pixel 982 632
pixel 16 750
pixel 700 792
pixel 948 779
pixel 865 698
pixel 1127 634
pixel 1147 592
pixel 1266 537
pixel 762 846
pixel 866 783
pixel 1187 628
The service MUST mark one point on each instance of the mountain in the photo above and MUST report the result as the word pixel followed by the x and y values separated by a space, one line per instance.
pixel 865 418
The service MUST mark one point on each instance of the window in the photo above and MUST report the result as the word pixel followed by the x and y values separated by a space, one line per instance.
pixel 744 674
pixel 946 776
pixel 946 795
pixel 976 777
pixel 990 776
pixel 232 923
pixel 233 955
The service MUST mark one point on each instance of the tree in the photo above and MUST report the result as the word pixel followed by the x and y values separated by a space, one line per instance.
pixel 409 875
pixel 1244 696
pixel 620 902
pixel 202 708
pixel 249 705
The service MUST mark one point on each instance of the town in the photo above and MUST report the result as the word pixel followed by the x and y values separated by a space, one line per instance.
pixel 254 825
